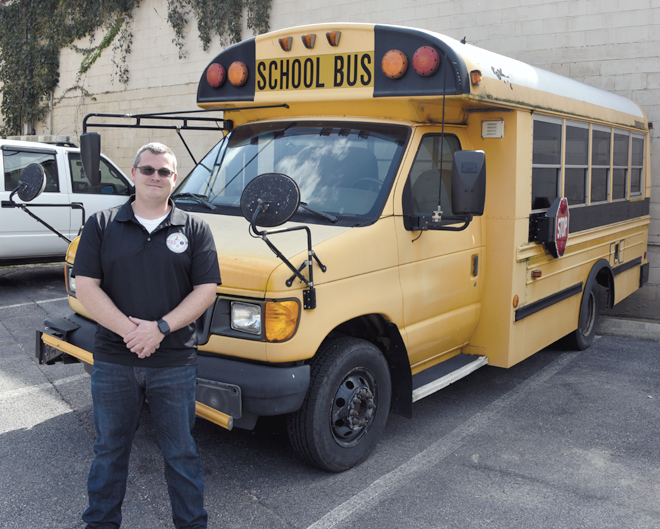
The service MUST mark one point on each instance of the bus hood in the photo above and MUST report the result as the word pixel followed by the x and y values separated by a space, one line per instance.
pixel 246 262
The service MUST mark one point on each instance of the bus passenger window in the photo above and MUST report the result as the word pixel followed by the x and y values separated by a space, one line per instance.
pixel 620 163
pixel 577 162
pixel 426 171
pixel 600 163
pixel 636 165
pixel 546 161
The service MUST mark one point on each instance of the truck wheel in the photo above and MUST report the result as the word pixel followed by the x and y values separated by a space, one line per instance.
pixel 584 336
pixel 346 406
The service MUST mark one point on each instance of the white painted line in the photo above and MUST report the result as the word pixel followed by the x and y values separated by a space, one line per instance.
pixel 32 303
pixel 422 462
pixel 19 392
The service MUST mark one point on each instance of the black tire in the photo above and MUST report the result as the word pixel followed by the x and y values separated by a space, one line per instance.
pixel 347 375
pixel 584 336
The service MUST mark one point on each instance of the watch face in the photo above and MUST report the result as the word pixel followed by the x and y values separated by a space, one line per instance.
pixel 163 326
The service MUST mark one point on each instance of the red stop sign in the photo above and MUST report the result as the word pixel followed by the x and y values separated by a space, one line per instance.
pixel 561 227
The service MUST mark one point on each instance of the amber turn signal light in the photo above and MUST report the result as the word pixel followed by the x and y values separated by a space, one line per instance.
pixel 281 320
pixel 238 73
pixel 333 37
pixel 394 64
pixel 309 41
pixel 286 43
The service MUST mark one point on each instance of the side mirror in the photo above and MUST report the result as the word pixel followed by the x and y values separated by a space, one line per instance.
pixel 31 183
pixel 90 155
pixel 270 200
pixel 468 183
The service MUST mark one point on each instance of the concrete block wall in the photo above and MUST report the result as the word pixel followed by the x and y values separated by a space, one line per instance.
pixel 611 44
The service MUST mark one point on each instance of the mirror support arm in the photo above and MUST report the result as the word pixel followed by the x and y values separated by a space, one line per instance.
pixel 309 296
pixel 11 204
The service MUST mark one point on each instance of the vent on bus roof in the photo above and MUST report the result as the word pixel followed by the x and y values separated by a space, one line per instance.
pixel 492 129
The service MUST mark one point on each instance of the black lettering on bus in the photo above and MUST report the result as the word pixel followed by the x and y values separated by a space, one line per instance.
pixel 272 80
pixel 261 67
pixel 364 62
pixel 319 84
pixel 339 70
pixel 348 70
pixel 296 73
pixel 308 73
pixel 284 74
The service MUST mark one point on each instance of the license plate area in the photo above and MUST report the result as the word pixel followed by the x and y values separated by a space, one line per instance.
pixel 220 396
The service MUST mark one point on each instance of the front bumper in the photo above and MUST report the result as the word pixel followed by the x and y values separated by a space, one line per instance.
pixel 242 390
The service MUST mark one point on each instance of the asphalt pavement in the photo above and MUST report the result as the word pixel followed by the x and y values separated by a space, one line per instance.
pixel 565 439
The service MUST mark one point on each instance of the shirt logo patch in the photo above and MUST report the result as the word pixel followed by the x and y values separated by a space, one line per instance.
pixel 177 242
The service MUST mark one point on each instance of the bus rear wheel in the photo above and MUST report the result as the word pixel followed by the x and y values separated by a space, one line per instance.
pixel 584 336
pixel 346 407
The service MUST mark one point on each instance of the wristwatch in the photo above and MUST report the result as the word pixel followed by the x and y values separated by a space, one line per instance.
pixel 163 327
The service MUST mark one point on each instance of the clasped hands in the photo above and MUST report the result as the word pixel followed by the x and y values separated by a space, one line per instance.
pixel 145 338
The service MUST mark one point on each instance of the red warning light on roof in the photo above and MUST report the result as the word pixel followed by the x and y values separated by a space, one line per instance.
pixel 425 61
pixel 215 75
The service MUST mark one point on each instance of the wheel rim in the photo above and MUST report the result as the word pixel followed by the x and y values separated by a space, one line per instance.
pixel 590 316
pixel 354 407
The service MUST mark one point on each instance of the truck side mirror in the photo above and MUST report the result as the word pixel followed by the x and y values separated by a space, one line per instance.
pixel 90 154
pixel 468 183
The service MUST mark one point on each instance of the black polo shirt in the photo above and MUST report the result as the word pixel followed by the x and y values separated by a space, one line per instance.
pixel 147 275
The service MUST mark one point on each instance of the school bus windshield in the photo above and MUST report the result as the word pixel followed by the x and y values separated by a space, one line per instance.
pixel 341 168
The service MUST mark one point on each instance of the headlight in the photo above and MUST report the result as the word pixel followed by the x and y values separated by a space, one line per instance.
pixel 246 317
pixel 281 320
pixel 71 282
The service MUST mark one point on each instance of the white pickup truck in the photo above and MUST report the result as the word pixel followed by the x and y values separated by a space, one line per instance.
pixel 23 239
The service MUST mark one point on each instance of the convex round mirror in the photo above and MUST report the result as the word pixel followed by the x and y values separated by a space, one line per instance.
pixel 32 182
pixel 277 193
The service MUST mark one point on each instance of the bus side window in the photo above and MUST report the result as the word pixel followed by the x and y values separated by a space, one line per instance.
pixel 429 170
pixel 546 161
pixel 637 165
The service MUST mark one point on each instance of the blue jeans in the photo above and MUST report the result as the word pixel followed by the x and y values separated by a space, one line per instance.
pixel 118 393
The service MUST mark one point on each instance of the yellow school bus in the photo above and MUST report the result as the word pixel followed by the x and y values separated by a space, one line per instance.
pixel 394 209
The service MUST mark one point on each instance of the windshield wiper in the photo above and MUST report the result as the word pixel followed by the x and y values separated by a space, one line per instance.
pixel 201 199
pixel 331 218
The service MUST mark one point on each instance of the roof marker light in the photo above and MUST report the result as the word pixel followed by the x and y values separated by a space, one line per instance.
pixel 426 61
pixel 286 43
pixel 333 37
pixel 394 64
pixel 475 77
pixel 215 75
pixel 309 41
pixel 238 73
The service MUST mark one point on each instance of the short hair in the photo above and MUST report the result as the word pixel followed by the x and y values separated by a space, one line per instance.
pixel 154 148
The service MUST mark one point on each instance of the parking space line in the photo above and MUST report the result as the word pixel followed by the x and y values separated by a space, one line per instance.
pixel 32 303
pixel 19 392
pixel 422 462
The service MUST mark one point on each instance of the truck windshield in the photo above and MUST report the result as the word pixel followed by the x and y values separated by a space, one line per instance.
pixel 345 169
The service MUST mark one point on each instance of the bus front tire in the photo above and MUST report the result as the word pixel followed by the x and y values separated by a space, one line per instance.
pixel 584 335
pixel 346 407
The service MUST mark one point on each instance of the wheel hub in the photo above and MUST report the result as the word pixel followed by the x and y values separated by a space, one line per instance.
pixel 354 408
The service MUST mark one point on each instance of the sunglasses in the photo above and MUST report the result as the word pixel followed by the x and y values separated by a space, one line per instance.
pixel 147 170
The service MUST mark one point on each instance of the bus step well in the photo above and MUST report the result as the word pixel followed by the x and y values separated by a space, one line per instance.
pixel 441 375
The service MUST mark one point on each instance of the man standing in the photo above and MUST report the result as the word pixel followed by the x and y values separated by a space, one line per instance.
pixel 146 271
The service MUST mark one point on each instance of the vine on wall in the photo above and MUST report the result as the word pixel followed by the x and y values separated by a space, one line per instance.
pixel 32 33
